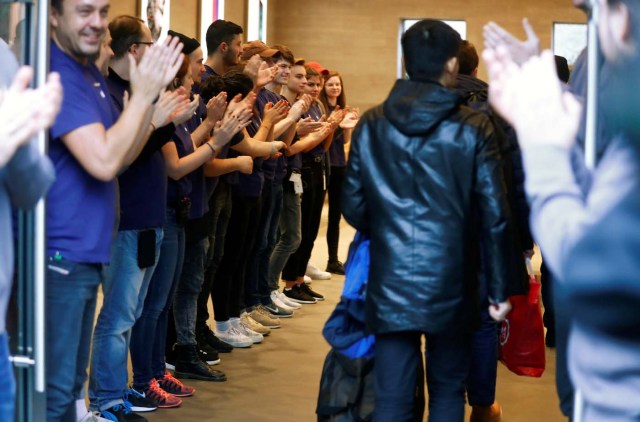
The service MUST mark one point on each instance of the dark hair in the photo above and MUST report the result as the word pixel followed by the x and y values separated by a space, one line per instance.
pixel 467 58
pixel 427 46
pixel 283 54
pixel 125 31
pixel 342 98
pixel 57 4
pixel 233 83
pixel 221 31
pixel 562 67
pixel 182 73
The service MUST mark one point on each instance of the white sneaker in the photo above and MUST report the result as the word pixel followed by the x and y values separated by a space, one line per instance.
pixel 284 299
pixel 253 336
pixel 253 324
pixel 279 303
pixel 234 337
pixel 317 274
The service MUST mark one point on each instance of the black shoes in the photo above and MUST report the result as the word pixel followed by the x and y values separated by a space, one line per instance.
pixel 207 336
pixel 121 413
pixel 305 288
pixel 208 354
pixel 335 267
pixel 189 365
pixel 296 294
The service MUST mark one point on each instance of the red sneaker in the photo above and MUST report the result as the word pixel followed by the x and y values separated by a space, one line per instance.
pixel 164 399
pixel 174 387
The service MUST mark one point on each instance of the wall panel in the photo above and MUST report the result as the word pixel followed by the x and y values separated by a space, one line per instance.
pixel 359 38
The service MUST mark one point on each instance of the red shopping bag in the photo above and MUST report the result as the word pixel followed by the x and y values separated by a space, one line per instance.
pixel 522 333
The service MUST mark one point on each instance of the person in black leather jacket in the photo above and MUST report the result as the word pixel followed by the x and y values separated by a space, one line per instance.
pixel 425 182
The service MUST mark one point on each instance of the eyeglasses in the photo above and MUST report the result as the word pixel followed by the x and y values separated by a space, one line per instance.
pixel 143 42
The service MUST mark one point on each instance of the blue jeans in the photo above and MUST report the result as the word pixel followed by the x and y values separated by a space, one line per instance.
pixel 149 333
pixel 481 382
pixel 258 290
pixel 8 386
pixel 290 236
pixel 185 302
pixel 396 370
pixel 125 288
pixel 72 289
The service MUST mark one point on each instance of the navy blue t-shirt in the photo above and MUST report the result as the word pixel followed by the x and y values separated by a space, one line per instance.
pixel 81 208
pixel 315 113
pixel 249 185
pixel 269 167
pixel 182 187
pixel 143 186
pixel 336 151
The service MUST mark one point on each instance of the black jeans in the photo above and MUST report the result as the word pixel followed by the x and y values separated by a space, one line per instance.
pixel 335 211
pixel 311 213
pixel 220 206
pixel 241 235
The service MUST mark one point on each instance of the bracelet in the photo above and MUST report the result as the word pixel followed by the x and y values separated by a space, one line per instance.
pixel 153 126
pixel 273 148
pixel 213 150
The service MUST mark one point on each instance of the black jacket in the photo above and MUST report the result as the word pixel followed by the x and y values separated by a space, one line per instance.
pixel 424 174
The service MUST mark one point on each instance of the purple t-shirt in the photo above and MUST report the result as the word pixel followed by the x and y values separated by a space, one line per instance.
pixel 337 155
pixel 182 187
pixel 81 208
pixel 143 186
pixel 315 113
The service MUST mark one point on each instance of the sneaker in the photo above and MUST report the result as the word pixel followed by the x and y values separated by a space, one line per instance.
pixel 234 338
pixel 174 386
pixel 164 399
pixel 253 325
pixel 275 298
pixel 307 279
pixel 277 311
pixel 138 401
pixel 208 354
pixel 207 336
pixel 255 337
pixel 290 303
pixel 317 274
pixel 93 417
pixel 263 316
pixel 297 295
pixel 335 267
pixel 317 296
pixel 121 413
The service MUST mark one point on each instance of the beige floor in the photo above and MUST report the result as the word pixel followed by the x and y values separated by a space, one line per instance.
pixel 278 380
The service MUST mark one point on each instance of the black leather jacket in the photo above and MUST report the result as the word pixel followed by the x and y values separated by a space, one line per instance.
pixel 424 180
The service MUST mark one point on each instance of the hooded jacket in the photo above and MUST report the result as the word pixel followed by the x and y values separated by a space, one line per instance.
pixel 424 180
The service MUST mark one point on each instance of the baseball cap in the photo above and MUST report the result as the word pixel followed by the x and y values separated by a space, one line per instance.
pixel 252 48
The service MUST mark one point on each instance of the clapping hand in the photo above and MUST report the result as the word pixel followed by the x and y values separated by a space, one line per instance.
pixel 157 68
pixel 259 71
pixel 519 51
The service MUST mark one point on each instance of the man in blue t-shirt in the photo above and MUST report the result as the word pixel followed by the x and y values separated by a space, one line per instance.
pixel 88 147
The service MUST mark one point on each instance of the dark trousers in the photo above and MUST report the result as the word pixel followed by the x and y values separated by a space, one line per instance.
pixel 311 213
pixel 333 229
pixel 483 371
pixel 220 206
pixel 242 230
pixel 562 322
pixel 398 359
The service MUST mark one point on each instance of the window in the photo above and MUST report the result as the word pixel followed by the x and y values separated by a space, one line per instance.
pixel 156 14
pixel 257 21
pixel 458 25
pixel 569 39
pixel 210 11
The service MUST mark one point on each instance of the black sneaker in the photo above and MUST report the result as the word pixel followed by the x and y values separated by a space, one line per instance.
pixel 207 336
pixel 208 354
pixel 298 295
pixel 121 413
pixel 335 267
pixel 138 402
pixel 305 288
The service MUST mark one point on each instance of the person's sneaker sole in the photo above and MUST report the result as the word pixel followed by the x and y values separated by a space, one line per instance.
pixel 170 366
pixel 188 375
pixel 305 302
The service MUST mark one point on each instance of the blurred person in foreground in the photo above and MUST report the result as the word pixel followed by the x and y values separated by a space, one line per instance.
pixel 590 236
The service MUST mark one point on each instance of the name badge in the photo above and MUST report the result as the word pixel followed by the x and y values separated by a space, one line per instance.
pixel 296 178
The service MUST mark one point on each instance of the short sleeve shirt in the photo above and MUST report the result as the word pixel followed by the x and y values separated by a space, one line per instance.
pixel 81 208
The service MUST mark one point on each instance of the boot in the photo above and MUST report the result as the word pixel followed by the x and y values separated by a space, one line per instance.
pixel 189 365
pixel 486 413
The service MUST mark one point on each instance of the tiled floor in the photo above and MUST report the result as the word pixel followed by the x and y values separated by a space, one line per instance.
pixel 278 380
